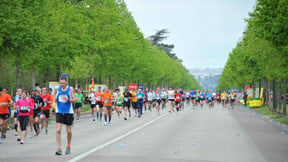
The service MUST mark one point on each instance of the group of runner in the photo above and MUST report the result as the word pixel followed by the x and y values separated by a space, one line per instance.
pixel 36 108
pixel 29 108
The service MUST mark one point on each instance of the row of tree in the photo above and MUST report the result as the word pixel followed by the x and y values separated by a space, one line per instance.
pixel 39 40
pixel 260 59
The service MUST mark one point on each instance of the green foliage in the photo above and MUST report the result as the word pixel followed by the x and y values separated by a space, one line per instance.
pixel 262 53
pixel 87 39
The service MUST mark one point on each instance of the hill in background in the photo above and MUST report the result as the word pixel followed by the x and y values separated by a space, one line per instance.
pixel 208 77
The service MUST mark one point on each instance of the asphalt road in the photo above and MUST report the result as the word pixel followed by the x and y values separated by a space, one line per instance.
pixel 219 134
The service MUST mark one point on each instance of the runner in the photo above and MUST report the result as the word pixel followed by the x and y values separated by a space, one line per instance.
pixel 118 102
pixel 127 100
pixel 36 111
pixel 93 104
pixel 25 106
pixel 78 106
pixel 45 110
pixel 177 97
pixel 16 119
pixel 140 99
pixel 171 99
pixel 223 98
pixel 158 101
pixel 197 99
pixel 5 101
pixel 209 99
pixel 202 98
pixel 107 97
pixel 218 98
pixel 99 104
pixel 187 96
pixel 31 100
pixel 134 101
pixel 53 105
pixel 153 99
pixel 193 94
pixel 150 99
pixel 182 99
pixel 145 99
pixel 65 97
pixel 163 95
pixel 232 97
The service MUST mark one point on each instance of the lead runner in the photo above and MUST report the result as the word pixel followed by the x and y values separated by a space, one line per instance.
pixel 65 97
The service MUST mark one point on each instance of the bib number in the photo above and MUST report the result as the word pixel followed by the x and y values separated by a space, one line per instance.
pixel 24 109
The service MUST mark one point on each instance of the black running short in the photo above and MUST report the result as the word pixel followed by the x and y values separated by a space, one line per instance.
pixel 134 105
pixel 46 113
pixel 78 105
pixel 93 106
pixel 4 116
pixel 66 119
pixel 100 104
pixel 126 104
pixel 36 113
pixel 23 120
pixel 158 102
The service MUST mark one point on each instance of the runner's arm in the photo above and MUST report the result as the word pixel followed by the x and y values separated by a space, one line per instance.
pixel 74 99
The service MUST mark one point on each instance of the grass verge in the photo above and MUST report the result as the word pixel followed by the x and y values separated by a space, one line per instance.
pixel 273 115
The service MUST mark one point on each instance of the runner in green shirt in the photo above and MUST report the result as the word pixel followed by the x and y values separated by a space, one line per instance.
pixel 80 98
pixel 119 100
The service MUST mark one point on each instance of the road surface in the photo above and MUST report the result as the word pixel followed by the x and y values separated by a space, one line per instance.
pixel 219 134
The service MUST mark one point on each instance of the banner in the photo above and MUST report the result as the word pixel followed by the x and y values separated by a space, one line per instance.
pixel 131 86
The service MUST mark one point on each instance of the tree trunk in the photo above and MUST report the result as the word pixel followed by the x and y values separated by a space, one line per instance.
pixel 279 96
pixel 285 96
pixel 18 70
pixel 33 77
pixel 274 96
pixel 76 82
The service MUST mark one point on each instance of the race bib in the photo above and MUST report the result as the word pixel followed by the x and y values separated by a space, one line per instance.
pixel 140 97
pixel 193 95
pixel 98 98
pixel 126 99
pixel 62 99
pixel 201 97
pixel 78 98
pixel 106 101
pixel 178 97
pixel 24 108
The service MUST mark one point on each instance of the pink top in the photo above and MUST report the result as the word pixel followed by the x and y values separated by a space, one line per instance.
pixel 25 105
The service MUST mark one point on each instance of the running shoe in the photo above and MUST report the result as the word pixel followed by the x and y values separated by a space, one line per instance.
pixel 22 142
pixel 46 131
pixel 105 123
pixel 3 136
pixel 58 152
pixel 125 118
pixel 68 150
pixel 18 139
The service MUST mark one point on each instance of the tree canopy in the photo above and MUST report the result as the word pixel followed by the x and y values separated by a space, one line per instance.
pixel 98 39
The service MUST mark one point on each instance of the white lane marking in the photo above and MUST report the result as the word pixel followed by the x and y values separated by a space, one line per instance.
pixel 81 156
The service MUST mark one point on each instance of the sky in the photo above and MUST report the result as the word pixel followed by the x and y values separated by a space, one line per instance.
pixel 204 32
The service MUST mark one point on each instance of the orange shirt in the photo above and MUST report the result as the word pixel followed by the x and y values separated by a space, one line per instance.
pixel 107 97
pixel 5 98
pixel 98 96
pixel 134 97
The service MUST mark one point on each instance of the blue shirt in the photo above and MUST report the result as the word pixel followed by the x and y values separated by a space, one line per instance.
pixel 140 96
pixel 63 106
